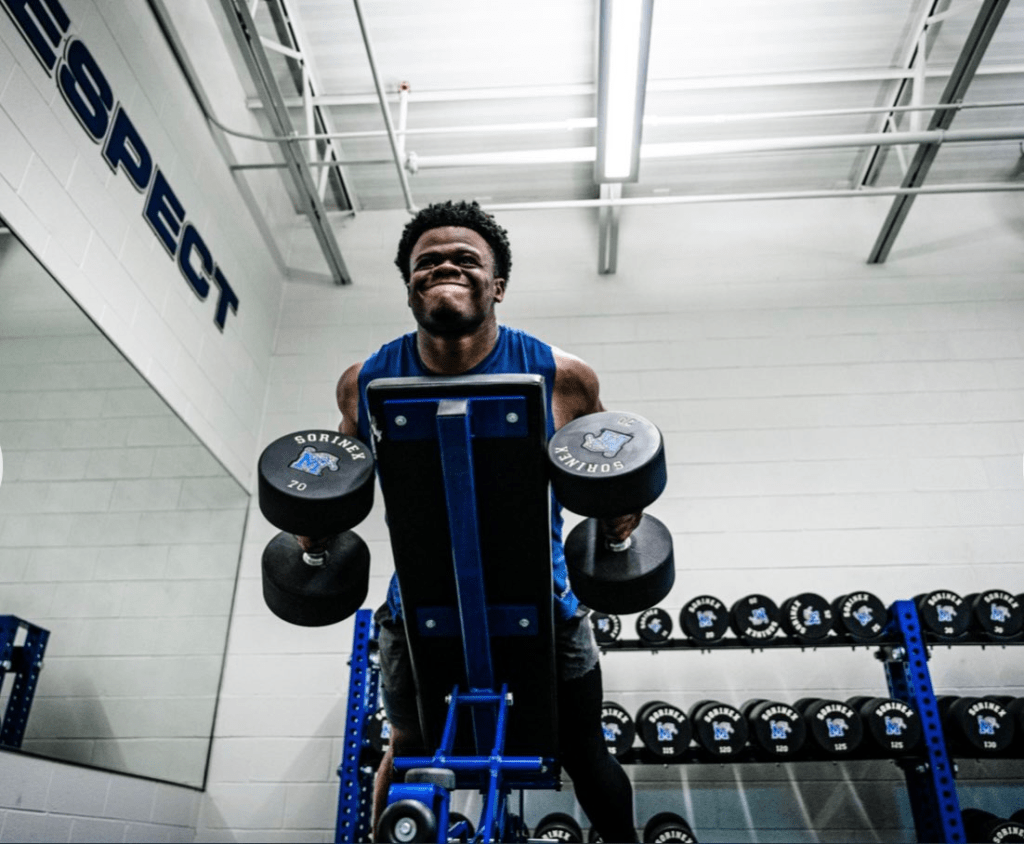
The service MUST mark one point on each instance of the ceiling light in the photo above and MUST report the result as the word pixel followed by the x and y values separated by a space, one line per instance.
pixel 625 40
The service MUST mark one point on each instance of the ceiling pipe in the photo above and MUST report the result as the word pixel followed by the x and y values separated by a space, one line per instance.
pixel 385 110
pixel 694 199
pixel 723 147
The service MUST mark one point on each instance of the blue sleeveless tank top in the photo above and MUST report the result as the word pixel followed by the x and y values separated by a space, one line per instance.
pixel 515 352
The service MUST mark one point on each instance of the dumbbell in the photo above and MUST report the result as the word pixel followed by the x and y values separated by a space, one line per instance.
pixel 720 729
pixel 618 727
pixel 942 613
pixel 315 484
pixel 891 727
pixel 607 627
pixel 860 616
pixel 777 730
pixel 604 465
pixel 755 619
pixel 407 821
pixel 667 827
pixel 664 729
pixel 982 826
pixel 975 726
pixel 1014 707
pixel 996 613
pixel 807 617
pixel 834 729
pixel 558 826
pixel 654 626
pixel 704 619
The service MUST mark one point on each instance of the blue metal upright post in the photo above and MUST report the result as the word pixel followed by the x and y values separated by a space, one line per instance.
pixel 25 662
pixel 355 802
pixel 930 785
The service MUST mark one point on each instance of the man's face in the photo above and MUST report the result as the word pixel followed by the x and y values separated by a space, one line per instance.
pixel 452 288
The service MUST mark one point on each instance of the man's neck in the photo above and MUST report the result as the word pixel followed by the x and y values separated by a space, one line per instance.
pixel 456 355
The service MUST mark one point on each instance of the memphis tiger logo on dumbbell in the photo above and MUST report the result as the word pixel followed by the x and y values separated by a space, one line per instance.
pixel 316 484
pixel 605 465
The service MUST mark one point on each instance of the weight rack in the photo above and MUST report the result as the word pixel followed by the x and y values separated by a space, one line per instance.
pixel 903 650
pixel 25 662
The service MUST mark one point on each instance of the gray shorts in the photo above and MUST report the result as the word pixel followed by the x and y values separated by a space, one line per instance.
pixel 576 653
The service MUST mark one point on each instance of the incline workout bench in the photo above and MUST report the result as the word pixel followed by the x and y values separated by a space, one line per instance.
pixel 464 472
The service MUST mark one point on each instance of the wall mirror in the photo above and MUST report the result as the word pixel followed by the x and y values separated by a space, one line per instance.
pixel 119 533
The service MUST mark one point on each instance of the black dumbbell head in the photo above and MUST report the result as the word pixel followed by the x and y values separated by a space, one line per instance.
pixel 943 613
pixel 719 729
pixel 607 464
pixel 558 826
pixel 667 827
pixel 619 729
pixel 315 595
pixel 777 730
pixel 892 727
pixel 995 613
pixel 407 821
pixel 654 626
pixel 834 729
pixel 807 617
pixel 664 729
pixel 860 616
pixel 755 619
pixel 607 627
pixel 704 619
pixel 315 483
pixel 626 581
pixel 977 726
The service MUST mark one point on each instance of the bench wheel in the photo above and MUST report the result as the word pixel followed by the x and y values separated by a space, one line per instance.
pixel 407 821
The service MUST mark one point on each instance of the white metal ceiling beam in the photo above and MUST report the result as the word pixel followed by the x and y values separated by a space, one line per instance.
pixel 976 43
pixel 587 89
pixel 293 43
pixel 248 40
pixel 608 229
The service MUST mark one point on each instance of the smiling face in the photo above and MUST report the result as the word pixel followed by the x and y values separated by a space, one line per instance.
pixel 452 288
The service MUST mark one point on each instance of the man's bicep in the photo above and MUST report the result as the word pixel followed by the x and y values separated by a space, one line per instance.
pixel 577 389
pixel 348 400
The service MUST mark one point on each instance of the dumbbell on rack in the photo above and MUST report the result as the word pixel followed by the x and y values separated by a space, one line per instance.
pixel 666 827
pixel 316 484
pixel 558 826
pixel 860 616
pixel 807 617
pixel 604 465
pixel 664 730
pixel 618 727
pixel 976 726
pixel 834 729
pixel 996 614
pixel 719 729
pixel 981 826
pixel 891 727
pixel 755 619
pixel 777 730
pixel 704 619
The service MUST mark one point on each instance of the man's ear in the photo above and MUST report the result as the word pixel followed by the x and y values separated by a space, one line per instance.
pixel 499 289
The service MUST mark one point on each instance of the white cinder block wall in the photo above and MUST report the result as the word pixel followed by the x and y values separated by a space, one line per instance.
pixel 85 223
pixel 830 426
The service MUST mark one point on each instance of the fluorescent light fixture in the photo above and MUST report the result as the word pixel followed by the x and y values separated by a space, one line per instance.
pixel 625 41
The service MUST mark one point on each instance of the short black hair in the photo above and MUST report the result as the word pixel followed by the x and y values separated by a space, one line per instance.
pixel 467 215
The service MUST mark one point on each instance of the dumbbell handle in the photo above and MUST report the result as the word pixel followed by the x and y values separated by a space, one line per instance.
pixel 316 558
pixel 618 547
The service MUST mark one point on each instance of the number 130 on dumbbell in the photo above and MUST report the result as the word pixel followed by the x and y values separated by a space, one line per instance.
pixel 320 483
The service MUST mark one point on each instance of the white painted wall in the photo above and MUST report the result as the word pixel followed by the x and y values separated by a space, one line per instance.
pixel 86 225
pixel 829 426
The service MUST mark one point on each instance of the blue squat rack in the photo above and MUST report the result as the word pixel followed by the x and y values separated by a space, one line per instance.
pixel 488 769
pixel 25 662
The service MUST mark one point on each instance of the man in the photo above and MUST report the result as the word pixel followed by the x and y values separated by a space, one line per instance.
pixel 455 261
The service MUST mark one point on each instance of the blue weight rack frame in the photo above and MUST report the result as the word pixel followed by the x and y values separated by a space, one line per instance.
pixel 489 769
pixel 930 784
pixel 25 662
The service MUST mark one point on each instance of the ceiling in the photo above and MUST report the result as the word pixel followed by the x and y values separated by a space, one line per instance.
pixel 516 81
